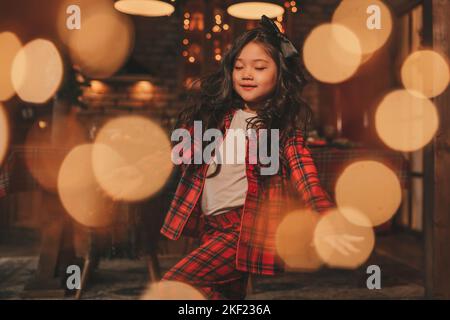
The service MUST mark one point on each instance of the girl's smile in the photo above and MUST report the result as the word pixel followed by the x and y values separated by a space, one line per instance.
pixel 248 87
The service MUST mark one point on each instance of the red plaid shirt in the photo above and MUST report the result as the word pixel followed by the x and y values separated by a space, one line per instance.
pixel 265 205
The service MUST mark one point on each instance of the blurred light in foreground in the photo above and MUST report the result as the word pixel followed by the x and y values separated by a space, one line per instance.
pixel 294 240
pixel 370 188
pixel 253 10
pixel 370 20
pixel 341 244
pixel 44 164
pixel 10 46
pixel 101 51
pixel 149 8
pixel 79 192
pixel 4 133
pixel 171 290
pixel 427 72
pixel 132 158
pixel 406 121
pixel 37 71
pixel 332 53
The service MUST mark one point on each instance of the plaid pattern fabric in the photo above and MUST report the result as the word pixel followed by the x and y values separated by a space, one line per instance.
pixel 211 268
pixel 264 208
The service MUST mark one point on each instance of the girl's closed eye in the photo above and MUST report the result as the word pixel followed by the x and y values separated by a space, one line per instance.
pixel 258 68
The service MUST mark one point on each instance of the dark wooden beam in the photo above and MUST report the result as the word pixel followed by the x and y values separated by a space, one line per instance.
pixel 428 170
pixel 437 170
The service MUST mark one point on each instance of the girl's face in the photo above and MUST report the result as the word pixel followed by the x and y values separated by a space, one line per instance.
pixel 254 74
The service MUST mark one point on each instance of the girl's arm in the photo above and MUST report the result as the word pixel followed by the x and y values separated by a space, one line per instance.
pixel 303 174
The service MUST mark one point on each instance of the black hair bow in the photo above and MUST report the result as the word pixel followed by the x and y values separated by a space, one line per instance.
pixel 287 48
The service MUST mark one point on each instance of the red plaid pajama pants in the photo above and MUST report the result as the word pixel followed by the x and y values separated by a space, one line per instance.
pixel 211 268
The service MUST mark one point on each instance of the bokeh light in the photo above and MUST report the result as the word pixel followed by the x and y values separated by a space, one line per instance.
pixel 132 158
pixel 171 290
pixel 37 71
pixel 358 15
pixel 142 90
pixel 53 145
pixel 98 87
pixel 253 10
pixel 10 46
pixel 370 188
pixel 145 7
pixel 426 72
pixel 341 244
pixel 99 52
pixel 4 133
pixel 79 192
pixel 332 53
pixel 294 241
pixel 405 121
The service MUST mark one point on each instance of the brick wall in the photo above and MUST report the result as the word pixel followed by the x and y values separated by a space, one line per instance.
pixel 157 51
pixel 158 47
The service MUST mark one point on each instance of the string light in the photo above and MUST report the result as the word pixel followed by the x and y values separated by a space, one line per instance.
pixel 292 5
pixel 216 28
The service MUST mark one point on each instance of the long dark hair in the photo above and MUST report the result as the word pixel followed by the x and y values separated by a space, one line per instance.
pixel 284 110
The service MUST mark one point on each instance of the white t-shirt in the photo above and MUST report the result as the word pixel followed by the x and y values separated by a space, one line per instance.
pixel 228 189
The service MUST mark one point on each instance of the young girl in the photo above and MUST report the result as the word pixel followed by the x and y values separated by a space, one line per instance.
pixel 233 208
